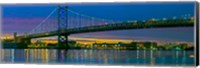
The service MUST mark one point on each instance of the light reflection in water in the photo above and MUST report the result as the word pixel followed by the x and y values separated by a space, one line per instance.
pixel 176 57
pixel 184 58
pixel 152 62
pixel 13 56
pixel 130 57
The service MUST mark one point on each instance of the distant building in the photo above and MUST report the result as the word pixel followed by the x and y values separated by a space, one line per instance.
pixel 151 21
pixel 72 42
pixel 146 44
pixel 6 37
pixel 47 41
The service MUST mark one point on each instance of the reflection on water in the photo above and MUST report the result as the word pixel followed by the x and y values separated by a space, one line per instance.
pixel 130 57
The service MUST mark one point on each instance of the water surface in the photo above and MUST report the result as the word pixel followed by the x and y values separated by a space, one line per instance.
pixel 102 57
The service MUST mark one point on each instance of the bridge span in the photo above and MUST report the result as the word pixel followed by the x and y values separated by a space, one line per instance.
pixel 63 29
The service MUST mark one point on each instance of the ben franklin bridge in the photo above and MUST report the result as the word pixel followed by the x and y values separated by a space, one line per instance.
pixel 63 22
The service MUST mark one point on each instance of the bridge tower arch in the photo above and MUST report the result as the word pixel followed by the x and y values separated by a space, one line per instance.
pixel 62 25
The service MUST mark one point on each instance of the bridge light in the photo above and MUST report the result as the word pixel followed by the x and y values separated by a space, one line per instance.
pixel 25 34
pixel 135 21
pixel 191 18
pixel 62 38
pixel 186 15
pixel 189 15
pixel 153 19
pixel 164 18
pixel 46 33
pixel 174 17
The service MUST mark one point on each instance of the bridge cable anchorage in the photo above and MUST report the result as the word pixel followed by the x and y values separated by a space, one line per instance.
pixel 43 21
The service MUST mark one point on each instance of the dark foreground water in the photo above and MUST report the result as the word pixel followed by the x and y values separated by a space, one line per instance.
pixel 108 57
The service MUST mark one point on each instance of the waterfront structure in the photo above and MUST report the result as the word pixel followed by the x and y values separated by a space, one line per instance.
pixel 83 23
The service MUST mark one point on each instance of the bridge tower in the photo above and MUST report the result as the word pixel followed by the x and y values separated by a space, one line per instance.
pixel 21 42
pixel 62 25
pixel 15 37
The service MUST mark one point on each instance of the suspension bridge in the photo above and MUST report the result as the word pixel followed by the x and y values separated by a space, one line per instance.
pixel 63 22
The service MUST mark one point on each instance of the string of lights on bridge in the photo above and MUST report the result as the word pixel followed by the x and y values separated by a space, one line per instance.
pixel 77 20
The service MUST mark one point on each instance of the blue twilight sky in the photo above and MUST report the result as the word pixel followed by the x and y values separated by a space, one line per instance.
pixel 22 18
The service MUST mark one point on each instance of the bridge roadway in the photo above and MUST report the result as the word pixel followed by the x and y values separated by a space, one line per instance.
pixel 118 26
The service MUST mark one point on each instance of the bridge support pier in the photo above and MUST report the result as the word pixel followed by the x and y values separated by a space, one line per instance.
pixel 23 43
pixel 62 24
pixel 26 41
pixel 63 42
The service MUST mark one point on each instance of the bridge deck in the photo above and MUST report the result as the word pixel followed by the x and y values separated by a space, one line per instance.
pixel 119 26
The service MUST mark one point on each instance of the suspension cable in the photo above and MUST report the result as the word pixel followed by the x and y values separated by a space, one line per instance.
pixel 44 19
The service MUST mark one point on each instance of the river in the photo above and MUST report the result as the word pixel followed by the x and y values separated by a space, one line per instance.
pixel 101 57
